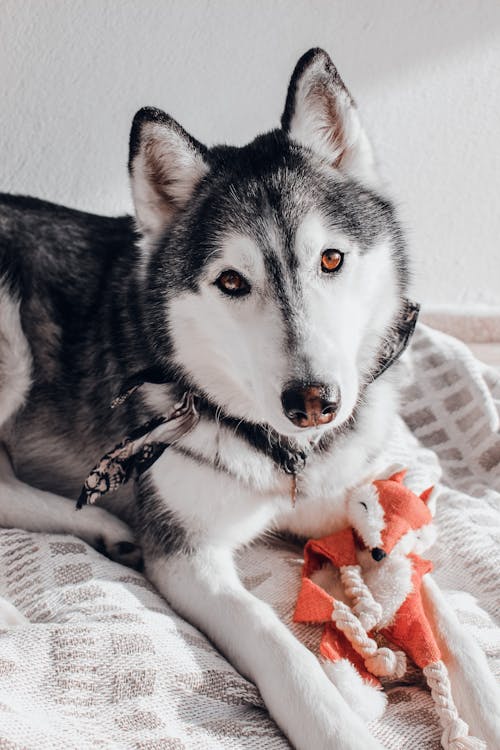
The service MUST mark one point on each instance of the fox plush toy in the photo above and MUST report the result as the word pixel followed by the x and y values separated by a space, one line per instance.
pixel 366 579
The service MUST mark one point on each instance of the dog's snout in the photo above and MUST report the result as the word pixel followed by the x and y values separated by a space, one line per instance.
pixel 310 404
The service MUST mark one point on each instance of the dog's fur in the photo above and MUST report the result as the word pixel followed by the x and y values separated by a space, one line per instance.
pixel 85 302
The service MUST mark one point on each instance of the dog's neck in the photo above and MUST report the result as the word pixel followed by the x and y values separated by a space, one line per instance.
pixel 137 451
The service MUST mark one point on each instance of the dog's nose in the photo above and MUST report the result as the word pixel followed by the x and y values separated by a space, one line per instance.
pixel 310 404
pixel 378 554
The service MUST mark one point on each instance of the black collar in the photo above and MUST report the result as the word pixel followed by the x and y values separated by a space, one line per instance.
pixel 396 343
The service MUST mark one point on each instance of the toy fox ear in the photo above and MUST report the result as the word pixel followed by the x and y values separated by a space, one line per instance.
pixel 398 476
pixel 388 472
pixel 426 494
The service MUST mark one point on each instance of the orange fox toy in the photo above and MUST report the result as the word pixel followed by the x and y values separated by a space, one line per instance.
pixel 367 578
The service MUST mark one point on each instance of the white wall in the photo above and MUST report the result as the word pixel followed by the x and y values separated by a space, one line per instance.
pixel 426 76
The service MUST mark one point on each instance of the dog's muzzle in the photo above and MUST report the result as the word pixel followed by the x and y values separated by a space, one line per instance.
pixel 310 404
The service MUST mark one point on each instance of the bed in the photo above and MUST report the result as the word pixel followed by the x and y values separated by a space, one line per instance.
pixel 101 661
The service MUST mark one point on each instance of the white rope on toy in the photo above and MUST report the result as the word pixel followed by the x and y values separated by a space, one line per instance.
pixel 456 732
pixel 381 662
pixel 364 605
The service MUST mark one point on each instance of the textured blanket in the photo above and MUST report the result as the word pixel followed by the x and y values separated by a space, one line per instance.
pixel 103 662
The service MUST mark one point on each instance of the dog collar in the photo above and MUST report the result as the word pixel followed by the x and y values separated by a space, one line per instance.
pixel 394 346
pixel 138 451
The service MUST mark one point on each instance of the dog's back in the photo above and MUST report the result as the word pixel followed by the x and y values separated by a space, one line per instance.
pixel 68 274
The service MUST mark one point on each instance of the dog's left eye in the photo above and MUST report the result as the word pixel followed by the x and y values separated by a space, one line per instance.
pixel 232 283
pixel 331 261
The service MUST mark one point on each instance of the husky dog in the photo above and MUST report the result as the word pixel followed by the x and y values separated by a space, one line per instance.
pixel 265 280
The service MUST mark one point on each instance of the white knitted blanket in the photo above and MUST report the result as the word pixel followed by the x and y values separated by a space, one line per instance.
pixel 105 663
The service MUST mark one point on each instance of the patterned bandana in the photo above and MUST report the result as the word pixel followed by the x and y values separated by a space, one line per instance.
pixel 138 451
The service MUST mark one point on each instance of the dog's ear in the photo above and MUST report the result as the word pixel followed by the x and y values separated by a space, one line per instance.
pixel 321 115
pixel 165 165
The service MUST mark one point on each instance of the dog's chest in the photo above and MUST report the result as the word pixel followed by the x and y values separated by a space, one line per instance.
pixel 222 488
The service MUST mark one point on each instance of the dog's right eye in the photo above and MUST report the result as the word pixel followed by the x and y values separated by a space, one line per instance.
pixel 232 283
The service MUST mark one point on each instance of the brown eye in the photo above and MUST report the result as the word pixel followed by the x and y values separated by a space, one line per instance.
pixel 232 283
pixel 331 260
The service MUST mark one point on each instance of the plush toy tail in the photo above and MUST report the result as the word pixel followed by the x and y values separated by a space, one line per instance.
pixel 381 662
pixel 456 732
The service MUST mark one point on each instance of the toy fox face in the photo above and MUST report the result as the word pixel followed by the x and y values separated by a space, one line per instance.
pixel 385 513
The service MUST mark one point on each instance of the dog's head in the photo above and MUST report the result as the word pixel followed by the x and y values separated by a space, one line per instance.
pixel 274 271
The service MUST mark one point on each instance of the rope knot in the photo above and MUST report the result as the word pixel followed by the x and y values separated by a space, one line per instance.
pixel 456 737
pixel 385 663
pixel 380 661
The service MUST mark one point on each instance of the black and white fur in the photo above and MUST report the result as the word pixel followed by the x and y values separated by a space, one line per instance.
pixel 87 301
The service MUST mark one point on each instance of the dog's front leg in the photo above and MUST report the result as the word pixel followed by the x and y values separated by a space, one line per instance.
pixel 32 509
pixel 204 588
pixel 474 688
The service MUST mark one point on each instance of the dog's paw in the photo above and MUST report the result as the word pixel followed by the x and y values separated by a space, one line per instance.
pixel 108 535
pixel 366 700
pixel 125 552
